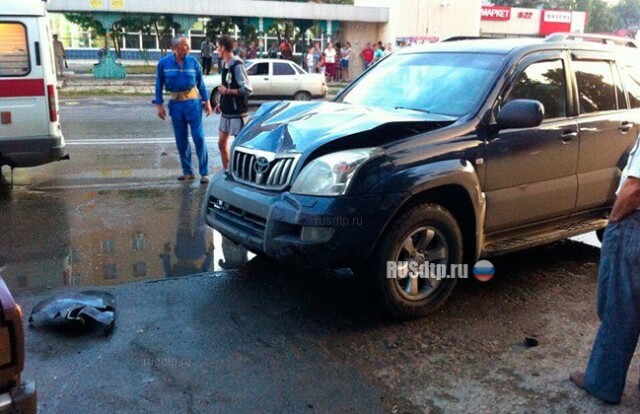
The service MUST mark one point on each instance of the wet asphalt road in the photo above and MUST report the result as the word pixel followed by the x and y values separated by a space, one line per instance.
pixel 254 338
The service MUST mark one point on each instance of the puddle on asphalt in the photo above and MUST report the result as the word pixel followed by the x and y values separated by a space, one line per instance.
pixel 106 236
pixel 79 237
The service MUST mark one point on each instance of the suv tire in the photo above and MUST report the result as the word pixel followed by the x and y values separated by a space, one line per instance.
pixel 435 237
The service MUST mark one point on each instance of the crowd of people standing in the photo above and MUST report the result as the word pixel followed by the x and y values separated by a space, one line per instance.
pixel 334 61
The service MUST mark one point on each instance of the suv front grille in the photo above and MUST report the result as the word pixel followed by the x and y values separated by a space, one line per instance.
pixel 263 169
pixel 237 217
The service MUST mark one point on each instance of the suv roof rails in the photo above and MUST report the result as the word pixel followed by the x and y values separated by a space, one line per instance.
pixel 592 37
pixel 458 38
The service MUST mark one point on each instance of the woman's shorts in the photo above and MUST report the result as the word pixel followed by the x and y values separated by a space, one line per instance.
pixel 232 126
pixel 345 63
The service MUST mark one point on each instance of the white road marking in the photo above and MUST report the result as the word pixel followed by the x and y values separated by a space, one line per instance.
pixel 129 141
pixel 122 142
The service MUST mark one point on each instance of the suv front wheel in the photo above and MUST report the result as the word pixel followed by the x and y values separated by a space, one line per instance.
pixel 425 235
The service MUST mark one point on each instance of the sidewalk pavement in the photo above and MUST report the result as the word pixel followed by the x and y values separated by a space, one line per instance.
pixel 79 79
pixel 86 84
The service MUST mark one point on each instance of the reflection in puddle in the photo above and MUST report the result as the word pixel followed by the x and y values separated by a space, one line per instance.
pixel 90 238
pixel 193 250
pixel 75 237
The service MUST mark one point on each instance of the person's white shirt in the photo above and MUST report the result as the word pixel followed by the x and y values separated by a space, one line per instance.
pixel 330 55
pixel 346 53
pixel 632 169
pixel 310 60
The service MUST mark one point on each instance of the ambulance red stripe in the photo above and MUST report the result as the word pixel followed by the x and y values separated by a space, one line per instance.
pixel 18 88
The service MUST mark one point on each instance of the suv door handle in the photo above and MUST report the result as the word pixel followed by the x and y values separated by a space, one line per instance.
pixel 568 136
pixel 626 126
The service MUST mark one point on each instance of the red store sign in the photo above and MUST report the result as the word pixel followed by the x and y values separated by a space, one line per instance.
pixel 555 21
pixel 499 13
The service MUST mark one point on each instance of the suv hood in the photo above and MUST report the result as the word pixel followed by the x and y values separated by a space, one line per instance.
pixel 281 127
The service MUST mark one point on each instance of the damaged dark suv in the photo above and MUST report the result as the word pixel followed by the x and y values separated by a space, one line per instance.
pixel 443 154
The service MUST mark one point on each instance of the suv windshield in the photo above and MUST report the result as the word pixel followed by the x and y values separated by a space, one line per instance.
pixel 443 83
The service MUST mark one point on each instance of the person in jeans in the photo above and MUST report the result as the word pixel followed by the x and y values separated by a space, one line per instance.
pixel 310 61
pixel 367 56
pixel 234 93
pixel 181 75
pixel 207 55
pixel 345 56
pixel 618 292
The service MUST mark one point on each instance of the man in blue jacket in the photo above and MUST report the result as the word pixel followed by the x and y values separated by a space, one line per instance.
pixel 181 75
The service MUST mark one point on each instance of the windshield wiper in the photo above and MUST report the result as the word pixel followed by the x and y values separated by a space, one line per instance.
pixel 413 109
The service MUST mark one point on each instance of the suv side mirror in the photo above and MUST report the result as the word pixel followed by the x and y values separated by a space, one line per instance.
pixel 521 113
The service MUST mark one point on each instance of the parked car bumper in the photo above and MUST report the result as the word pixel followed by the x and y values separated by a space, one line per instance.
pixel 21 399
pixel 323 92
pixel 304 231
pixel 30 152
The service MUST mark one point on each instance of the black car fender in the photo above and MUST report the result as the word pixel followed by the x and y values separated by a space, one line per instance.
pixel 437 181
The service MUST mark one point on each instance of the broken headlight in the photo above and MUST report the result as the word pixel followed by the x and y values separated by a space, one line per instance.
pixel 331 174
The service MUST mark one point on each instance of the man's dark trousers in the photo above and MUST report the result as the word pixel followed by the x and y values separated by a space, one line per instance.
pixel 206 64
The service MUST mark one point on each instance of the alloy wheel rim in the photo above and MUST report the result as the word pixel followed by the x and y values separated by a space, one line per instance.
pixel 423 247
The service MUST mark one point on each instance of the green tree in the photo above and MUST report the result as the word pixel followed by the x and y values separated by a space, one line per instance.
pixel 85 21
pixel 628 12
pixel 601 18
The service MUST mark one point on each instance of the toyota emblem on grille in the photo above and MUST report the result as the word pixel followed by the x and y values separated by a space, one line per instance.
pixel 261 166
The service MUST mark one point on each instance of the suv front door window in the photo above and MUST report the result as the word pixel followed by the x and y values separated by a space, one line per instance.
pixel 531 173
pixel 544 82
pixel 606 130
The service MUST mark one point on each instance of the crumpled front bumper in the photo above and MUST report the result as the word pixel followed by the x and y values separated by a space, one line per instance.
pixel 271 222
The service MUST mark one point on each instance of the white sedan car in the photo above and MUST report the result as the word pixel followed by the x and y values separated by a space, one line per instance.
pixel 276 78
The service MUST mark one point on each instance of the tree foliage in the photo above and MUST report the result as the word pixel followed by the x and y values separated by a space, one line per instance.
pixel 628 11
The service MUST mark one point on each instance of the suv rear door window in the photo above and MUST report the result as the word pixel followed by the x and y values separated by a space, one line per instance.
pixel 544 82
pixel 14 53
pixel 596 88
pixel 620 96
pixel 632 81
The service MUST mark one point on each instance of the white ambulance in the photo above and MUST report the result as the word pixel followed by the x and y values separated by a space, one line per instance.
pixel 30 132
